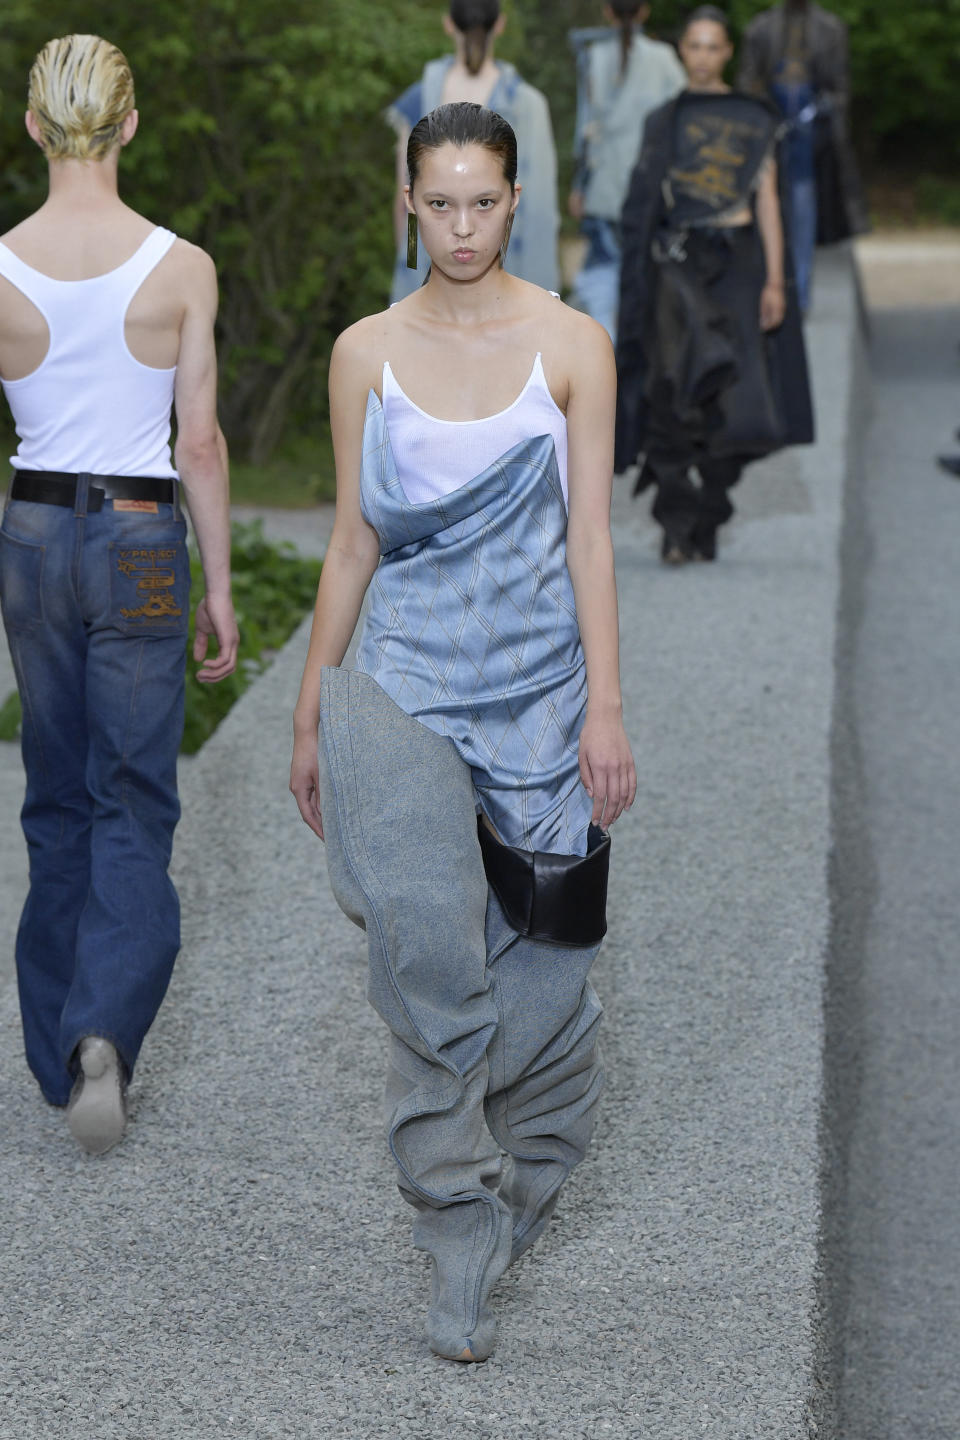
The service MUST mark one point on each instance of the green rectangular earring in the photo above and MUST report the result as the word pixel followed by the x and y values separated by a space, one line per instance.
pixel 413 259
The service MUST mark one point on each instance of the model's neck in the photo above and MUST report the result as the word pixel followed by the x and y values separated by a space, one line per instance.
pixel 84 184
pixel 710 87
pixel 468 303
pixel 795 7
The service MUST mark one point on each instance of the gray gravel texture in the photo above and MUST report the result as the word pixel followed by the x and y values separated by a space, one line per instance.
pixel 241 1264
pixel 899 867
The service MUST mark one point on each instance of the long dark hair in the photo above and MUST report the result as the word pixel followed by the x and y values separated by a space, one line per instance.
pixel 474 19
pixel 626 12
pixel 463 123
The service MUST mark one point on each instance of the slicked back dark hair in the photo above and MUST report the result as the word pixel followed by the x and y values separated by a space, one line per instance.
pixel 708 12
pixel 463 123
pixel 474 19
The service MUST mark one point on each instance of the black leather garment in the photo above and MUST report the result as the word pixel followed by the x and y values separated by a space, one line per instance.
pixel 561 899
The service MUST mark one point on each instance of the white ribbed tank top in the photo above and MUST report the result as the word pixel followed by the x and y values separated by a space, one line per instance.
pixel 89 405
pixel 434 457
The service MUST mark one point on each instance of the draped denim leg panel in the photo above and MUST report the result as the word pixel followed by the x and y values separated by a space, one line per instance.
pixel 545 1076
pixel 404 862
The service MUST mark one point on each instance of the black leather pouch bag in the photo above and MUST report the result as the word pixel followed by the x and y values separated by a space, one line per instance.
pixel 561 899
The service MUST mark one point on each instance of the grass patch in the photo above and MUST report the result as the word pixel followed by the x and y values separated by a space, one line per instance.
pixel 298 476
pixel 904 200
pixel 273 588
pixel 10 717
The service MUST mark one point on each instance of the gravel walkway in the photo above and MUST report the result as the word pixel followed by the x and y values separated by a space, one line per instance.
pixel 240 1266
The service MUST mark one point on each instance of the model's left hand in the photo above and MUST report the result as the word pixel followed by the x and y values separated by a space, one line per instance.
pixel 607 768
pixel 773 306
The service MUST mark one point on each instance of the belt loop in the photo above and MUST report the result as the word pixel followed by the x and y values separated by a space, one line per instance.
pixel 80 498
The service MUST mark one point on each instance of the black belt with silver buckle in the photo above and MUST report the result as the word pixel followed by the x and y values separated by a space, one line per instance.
pixel 53 487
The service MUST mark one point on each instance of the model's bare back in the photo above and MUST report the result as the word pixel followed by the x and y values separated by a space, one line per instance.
pixel 92 244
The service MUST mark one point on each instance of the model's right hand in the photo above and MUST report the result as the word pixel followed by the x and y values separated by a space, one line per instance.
pixel 575 204
pixel 304 779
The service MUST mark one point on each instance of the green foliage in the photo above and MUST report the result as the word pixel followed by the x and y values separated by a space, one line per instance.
pixel 273 588
pixel 10 717
pixel 299 474
pixel 938 199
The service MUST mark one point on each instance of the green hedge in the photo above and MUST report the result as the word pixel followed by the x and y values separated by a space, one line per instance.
pixel 273 588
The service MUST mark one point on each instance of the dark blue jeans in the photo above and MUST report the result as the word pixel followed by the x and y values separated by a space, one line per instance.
pixel 96 608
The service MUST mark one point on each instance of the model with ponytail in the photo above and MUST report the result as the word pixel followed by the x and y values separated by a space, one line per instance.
pixel 472 73
pixel 621 76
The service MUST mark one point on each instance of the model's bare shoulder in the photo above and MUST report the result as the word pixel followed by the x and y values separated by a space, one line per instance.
pixel 359 351
pixel 584 343
pixel 356 362
pixel 191 264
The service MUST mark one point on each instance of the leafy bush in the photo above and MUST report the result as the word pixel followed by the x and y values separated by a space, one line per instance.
pixel 273 588
pixel 938 199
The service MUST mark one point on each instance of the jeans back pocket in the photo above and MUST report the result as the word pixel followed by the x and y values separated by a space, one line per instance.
pixel 150 584
pixel 21 582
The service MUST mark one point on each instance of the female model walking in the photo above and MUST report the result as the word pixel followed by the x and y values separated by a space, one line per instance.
pixel 710 356
pixel 473 73
pixel 465 420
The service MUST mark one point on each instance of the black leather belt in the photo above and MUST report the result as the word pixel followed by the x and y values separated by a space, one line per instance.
pixel 53 487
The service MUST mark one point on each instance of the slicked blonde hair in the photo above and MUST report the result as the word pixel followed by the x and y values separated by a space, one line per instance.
pixel 81 91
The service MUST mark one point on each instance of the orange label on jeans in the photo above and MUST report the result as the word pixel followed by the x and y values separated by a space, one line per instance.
pixel 145 507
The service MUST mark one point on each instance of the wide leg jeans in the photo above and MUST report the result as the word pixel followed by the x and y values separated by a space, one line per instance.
pixel 96 608
pixel 493 1036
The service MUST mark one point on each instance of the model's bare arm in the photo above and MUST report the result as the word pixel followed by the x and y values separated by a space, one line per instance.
pixel 351 558
pixel 606 764
pixel 201 460
pixel 773 302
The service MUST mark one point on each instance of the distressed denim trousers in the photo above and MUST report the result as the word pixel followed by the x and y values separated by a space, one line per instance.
pixel 493 1075
pixel 96 608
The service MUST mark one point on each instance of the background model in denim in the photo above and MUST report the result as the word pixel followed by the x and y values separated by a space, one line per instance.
pixel 106 320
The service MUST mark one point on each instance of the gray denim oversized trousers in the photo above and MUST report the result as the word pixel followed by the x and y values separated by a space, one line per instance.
pixel 493 1036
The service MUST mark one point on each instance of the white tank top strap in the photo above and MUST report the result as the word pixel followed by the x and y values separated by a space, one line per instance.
pixel 132 273
pixel 117 287
pixel 37 287
pixel 394 394
pixel 129 275
pixel 90 404
pixel 430 466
